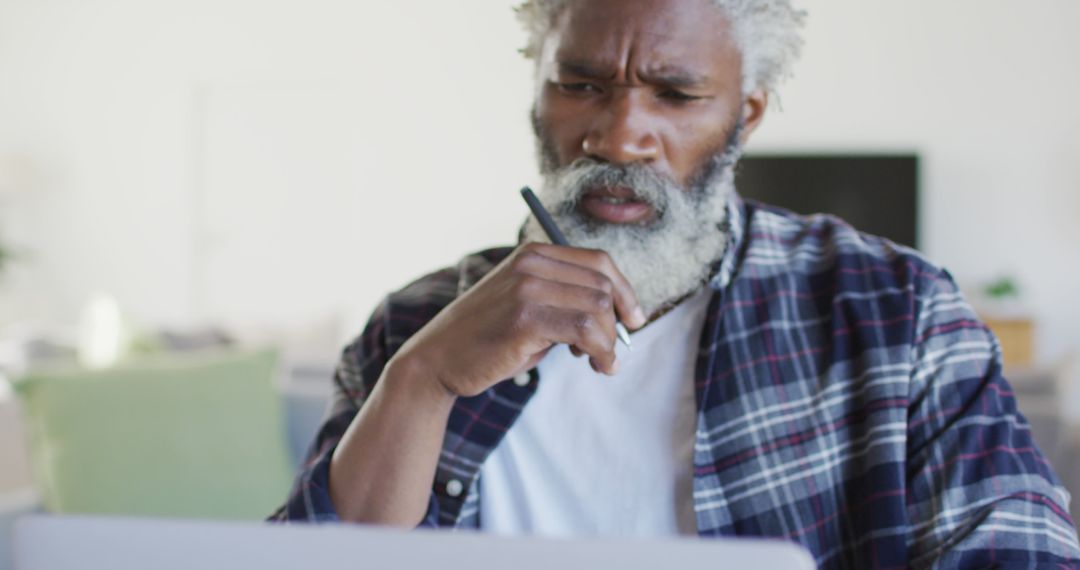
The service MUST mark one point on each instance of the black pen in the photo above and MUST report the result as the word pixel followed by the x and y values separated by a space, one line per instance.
pixel 556 236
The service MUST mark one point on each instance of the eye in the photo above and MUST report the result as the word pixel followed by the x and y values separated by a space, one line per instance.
pixel 578 88
pixel 677 96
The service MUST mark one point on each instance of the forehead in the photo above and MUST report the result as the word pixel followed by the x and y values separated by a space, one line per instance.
pixel 645 33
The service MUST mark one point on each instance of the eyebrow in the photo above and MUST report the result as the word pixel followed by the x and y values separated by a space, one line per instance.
pixel 667 75
pixel 586 69
pixel 674 76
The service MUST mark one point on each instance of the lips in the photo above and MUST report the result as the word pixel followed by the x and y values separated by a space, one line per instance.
pixel 615 206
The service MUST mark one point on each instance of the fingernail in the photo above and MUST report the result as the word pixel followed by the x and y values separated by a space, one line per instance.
pixel 615 366
pixel 639 317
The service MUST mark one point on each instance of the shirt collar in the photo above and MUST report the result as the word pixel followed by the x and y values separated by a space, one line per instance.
pixel 735 225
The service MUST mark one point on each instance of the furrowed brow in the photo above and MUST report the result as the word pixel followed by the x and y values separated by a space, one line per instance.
pixel 675 77
pixel 585 69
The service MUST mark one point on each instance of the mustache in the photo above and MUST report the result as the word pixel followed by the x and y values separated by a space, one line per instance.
pixel 586 174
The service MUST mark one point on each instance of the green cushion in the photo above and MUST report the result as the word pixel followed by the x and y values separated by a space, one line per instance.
pixel 193 436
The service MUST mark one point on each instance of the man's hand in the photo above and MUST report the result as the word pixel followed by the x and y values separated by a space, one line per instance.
pixel 539 296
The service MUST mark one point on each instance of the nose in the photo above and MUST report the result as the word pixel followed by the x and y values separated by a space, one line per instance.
pixel 622 131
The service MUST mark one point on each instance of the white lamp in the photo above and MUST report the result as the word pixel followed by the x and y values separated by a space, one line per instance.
pixel 103 335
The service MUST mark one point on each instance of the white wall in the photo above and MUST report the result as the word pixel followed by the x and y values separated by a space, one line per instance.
pixel 254 161
pixel 272 162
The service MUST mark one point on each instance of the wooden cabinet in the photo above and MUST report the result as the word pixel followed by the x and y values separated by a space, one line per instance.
pixel 1017 337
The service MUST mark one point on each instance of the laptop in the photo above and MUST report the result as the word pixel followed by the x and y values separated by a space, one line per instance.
pixel 44 542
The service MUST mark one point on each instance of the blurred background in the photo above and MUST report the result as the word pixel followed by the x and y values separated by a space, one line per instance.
pixel 202 201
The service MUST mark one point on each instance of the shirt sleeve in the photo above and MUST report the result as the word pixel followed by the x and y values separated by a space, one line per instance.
pixel 361 364
pixel 980 493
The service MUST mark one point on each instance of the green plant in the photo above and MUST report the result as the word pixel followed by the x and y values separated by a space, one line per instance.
pixel 1002 289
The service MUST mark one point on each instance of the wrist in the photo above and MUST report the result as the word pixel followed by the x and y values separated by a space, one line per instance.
pixel 415 378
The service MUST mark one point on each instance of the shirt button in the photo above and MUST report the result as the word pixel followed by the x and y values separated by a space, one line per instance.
pixel 454 487
pixel 522 379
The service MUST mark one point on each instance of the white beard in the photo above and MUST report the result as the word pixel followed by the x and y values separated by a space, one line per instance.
pixel 664 259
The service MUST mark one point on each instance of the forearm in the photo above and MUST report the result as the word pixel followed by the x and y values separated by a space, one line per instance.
pixel 383 468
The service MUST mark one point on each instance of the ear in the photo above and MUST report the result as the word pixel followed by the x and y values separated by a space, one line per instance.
pixel 753 112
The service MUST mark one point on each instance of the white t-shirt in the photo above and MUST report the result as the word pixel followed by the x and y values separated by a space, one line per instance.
pixel 599 455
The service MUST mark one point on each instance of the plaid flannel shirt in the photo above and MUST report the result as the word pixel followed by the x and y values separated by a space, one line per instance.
pixel 848 399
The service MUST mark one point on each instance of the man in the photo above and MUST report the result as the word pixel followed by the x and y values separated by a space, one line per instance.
pixel 789 376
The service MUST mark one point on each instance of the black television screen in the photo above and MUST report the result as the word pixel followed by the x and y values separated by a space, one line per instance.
pixel 877 194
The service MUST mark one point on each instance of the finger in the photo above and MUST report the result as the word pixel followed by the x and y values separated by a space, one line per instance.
pixel 590 268
pixel 580 329
pixel 562 295
pixel 596 367
pixel 565 296
pixel 533 361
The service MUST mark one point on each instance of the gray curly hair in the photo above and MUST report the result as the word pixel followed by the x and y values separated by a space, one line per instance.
pixel 767 33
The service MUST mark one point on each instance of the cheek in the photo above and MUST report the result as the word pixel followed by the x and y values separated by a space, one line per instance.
pixel 690 143
pixel 562 125
pixel 694 137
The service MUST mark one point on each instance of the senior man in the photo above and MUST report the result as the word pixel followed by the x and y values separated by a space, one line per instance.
pixel 790 377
